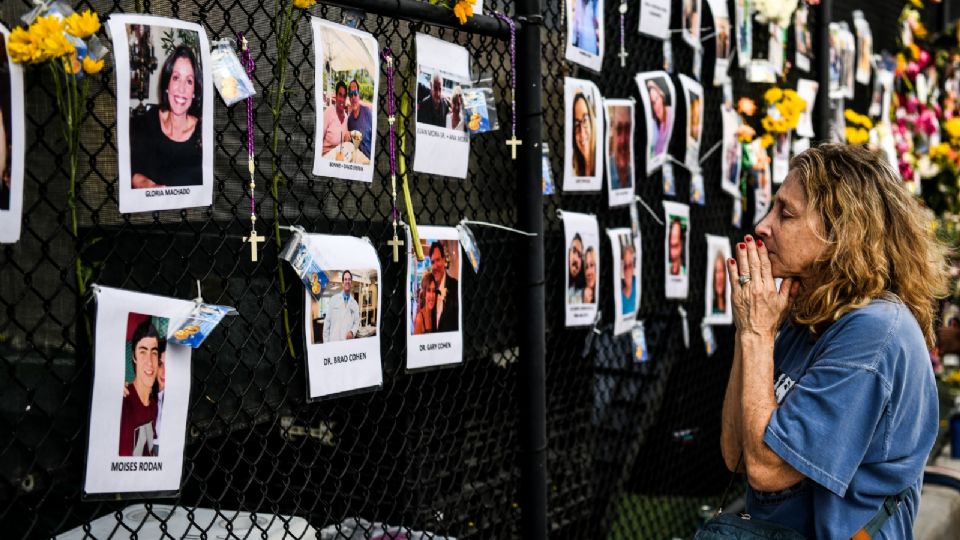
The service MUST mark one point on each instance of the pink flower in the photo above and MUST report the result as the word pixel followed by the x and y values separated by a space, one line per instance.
pixel 927 122
pixel 912 104
pixel 912 69
pixel 924 59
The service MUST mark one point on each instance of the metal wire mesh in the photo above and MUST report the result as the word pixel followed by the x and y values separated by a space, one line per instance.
pixel 432 451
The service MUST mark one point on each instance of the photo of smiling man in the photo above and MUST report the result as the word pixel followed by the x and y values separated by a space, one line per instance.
pixel 138 416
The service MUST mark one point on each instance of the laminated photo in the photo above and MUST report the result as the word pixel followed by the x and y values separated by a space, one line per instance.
pixel 807 89
pixel 582 241
pixel 775 47
pixel 342 324
pixel 141 393
pixel 676 249
pixel 864 54
pixel 583 136
pixel 743 21
pixel 12 144
pixel 723 39
pixel 693 98
pixel 730 156
pixel 619 151
pixel 625 248
pixel 346 84
pixel 657 95
pixel 655 18
pixel 781 157
pixel 442 141
pixel 803 38
pixel 690 22
pixel 585 33
pixel 717 309
pixel 435 313
pixel 165 142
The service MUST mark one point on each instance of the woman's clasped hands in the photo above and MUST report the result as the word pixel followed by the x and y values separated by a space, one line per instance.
pixel 758 306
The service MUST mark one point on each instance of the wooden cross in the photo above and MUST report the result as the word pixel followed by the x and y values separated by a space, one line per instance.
pixel 396 243
pixel 623 57
pixel 513 143
pixel 254 238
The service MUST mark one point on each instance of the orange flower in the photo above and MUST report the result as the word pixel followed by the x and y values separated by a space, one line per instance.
pixel 463 10
pixel 746 106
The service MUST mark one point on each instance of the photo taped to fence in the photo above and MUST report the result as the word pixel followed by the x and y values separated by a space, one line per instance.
pixel 717 298
pixel 164 113
pixel 627 278
pixel 657 95
pixel 583 136
pixel 676 249
pixel 690 22
pixel 723 40
pixel 619 151
pixel 585 33
pixel 582 241
pixel 12 143
pixel 141 393
pixel 342 322
pixel 442 141
pixel 693 98
pixel 346 85
pixel 434 309
pixel 743 20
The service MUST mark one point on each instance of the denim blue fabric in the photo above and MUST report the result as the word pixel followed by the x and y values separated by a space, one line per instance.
pixel 858 416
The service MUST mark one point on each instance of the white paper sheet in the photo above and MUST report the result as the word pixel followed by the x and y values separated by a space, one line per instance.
pixel 343 335
pixel 169 173
pixel 434 300
pixel 12 149
pixel 441 147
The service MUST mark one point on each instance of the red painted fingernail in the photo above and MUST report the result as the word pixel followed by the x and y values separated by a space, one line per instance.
pixel 748 238
pixel 759 243
pixel 732 262
pixel 741 245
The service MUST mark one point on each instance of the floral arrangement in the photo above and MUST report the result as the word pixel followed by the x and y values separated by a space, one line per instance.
pixel 858 126
pixel 462 9
pixel 775 11
pixel 784 107
pixel 66 43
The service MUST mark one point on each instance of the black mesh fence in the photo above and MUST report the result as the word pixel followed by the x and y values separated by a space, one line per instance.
pixel 633 449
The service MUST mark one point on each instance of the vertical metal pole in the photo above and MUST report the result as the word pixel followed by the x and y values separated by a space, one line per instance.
pixel 531 384
pixel 821 39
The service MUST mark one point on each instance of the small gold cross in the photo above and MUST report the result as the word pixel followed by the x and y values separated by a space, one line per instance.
pixel 254 238
pixel 513 143
pixel 396 243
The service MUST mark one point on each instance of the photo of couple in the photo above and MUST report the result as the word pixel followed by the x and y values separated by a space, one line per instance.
pixel 436 288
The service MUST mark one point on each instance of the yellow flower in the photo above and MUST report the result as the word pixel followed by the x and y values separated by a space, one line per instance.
pixel 474 122
pixel 850 115
pixel 766 140
pixel 901 64
pixel 92 67
pixel 767 123
pixel 23 46
pixel 463 10
pixel 773 95
pixel 866 122
pixel 745 133
pixel 44 27
pixel 917 3
pixel 304 4
pixel 953 127
pixel 56 46
pixel 914 51
pixel 82 25
pixel 920 31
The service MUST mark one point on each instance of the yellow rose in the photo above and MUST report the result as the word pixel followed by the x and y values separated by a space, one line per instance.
pixel 92 67
pixel 23 47
pixel 304 4
pixel 82 25
pixel 463 10
pixel 773 95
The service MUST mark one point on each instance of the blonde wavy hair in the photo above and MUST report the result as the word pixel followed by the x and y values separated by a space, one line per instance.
pixel 877 235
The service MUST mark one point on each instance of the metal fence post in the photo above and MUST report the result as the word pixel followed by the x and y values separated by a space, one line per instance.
pixel 530 298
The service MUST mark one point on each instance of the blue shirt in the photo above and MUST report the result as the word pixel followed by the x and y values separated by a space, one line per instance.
pixel 628 304
pixel 364 124
pixel 858 416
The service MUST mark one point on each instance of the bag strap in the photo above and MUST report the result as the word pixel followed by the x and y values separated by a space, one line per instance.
pixel 733 477
pixel 889 507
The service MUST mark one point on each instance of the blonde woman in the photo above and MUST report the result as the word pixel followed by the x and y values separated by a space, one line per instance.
pixel 831 405
pixel 454 118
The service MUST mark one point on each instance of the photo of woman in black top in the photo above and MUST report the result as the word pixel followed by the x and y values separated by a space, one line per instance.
pixel 165 139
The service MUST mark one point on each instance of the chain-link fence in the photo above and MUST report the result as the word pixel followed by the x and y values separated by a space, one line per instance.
pixel 632 450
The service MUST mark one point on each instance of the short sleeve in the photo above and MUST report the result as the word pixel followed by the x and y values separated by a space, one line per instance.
pixel 826 423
